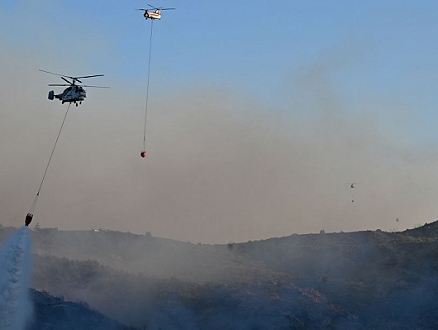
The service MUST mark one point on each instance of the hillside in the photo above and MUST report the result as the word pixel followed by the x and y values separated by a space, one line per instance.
pixel 388 279
pixel 56 313
pixel 274 303
pixel 359 280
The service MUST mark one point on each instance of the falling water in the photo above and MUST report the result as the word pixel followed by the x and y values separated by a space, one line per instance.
pixel 15 268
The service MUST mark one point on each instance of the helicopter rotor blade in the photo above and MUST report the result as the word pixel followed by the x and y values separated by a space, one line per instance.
pixel 56 74
pixel 59 85
pixel 63 76
pixel 94 86
pixel 66 80
pixel 159 8
pixel 94 75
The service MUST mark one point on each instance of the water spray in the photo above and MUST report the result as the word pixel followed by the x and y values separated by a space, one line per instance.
pixel 15 304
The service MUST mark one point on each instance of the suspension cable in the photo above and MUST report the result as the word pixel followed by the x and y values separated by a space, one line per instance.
pixel 33 206
pixel 147 88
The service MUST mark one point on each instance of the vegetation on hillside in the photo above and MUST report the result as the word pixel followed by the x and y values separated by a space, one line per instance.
pixel 359 280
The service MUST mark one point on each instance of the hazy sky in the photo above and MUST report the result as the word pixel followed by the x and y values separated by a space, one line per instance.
pixel 259 117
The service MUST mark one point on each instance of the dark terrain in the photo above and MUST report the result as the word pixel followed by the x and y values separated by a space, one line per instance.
pixel 56 313
pixel 359 280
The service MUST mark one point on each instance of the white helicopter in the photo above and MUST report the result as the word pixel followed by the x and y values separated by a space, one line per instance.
pixel 155 13
pixel 73 93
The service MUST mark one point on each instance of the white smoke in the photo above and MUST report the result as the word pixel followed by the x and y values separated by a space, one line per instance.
pixel 15 305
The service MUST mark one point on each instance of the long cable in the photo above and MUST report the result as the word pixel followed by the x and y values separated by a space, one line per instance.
pixel 33 206
pixel 147 87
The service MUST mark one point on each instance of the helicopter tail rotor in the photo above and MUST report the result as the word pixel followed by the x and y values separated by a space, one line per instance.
pixel 51 95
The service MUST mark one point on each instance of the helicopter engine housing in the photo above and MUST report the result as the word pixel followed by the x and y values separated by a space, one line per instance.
pixel 51 95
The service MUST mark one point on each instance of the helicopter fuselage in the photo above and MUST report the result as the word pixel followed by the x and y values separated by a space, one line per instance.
pixel 72 94
pixel 152 14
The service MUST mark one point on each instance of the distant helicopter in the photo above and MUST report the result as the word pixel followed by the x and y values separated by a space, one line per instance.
pixel 352 186
pixel 74 93
pixel 155 13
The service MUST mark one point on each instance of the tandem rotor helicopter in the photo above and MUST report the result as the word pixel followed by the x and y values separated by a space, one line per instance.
pixel 73 93
pixel 155 13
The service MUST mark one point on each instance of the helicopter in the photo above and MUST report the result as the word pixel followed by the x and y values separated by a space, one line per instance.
pixel 155 13
pixel 353 186
pixel 73 93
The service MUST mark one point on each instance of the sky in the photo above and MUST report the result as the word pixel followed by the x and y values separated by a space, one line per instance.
pixel 259 117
